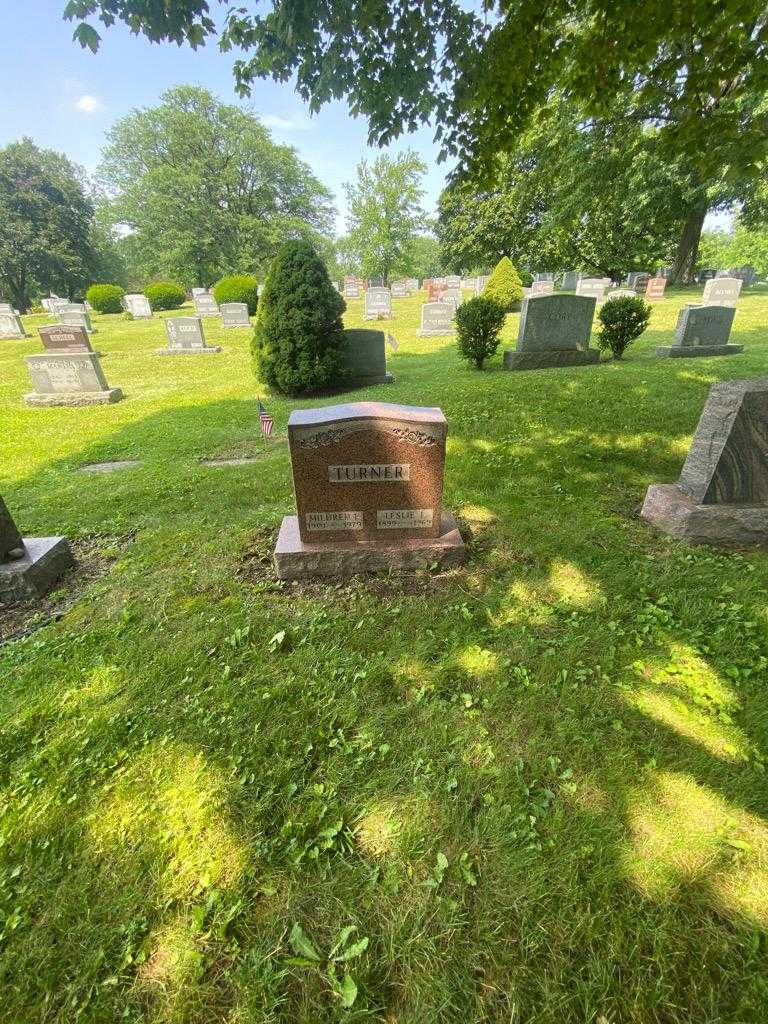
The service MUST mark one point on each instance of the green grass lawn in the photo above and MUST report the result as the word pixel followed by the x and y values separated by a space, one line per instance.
pixel 535 785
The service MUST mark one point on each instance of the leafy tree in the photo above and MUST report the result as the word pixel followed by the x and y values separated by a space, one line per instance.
pixel 385 214
pixel 204 190
pixel 298 343
pixel 595 196
pixel 504 286
pixel 45 223
pixel 697 71
pixel 744 246
pixel 478 325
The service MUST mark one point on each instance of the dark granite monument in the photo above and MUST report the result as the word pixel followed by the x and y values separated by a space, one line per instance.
pixel 69 378
pixel 29 566
pixel 721 496
pixel 554 331
pixel 702 331
pixel 186 338
pixel 365 357
pixel 368 479
pixel 60 338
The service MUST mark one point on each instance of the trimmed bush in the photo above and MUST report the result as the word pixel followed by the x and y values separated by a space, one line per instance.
pixel 238 288
pixel 165 295
pixel 478 324
pixel 298 343
pixel 622 320
pixel 105 298
pixel 504 285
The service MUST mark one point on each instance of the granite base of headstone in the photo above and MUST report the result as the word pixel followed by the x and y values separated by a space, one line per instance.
pixel 368 479
pixel 365 357
pixel 721 496
pixel 702 331
pixel 186 338
pixel 554 331
pixel 69 379
pixel 29 566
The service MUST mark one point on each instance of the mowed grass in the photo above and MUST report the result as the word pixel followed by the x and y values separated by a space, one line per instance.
pixel 536 785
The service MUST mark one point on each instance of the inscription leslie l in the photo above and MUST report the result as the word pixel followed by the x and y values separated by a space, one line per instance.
pixel 354 474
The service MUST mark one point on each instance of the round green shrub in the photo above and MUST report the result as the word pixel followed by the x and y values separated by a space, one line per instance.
pixel 165 295
pixel 478 324
pixel 105 298
pixel 238 288
pixel 298 343
pixel 504 285
pixel 621 321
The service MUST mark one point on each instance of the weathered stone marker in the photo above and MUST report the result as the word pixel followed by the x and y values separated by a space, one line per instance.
pixel 368 479
pixel 722 291
pixel 138 306
pixel 570 279
pixel 69 379
pixel 186 338
pixel 365 357
pixel 234 314
pixel 451 296
pixel 400 290
pixel 544 286
pixel 654 288
pixel 436 319
pixel 60 338
pixel 591 287
pixel 721 496
pixel 378 303
pixel 29 566
pixel 702 331
pixel 206 305
pixel 351 290
pixel 11 326
pixel 554 331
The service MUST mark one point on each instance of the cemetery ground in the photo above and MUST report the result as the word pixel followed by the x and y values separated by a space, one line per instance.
pixel 531 789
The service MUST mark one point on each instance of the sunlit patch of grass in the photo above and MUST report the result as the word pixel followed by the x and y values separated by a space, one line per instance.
pixel 377 832
pixel 571 586
pixel 478 662
pixel 171 799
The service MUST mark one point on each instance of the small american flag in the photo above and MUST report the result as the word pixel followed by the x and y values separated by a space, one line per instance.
pixel 266 421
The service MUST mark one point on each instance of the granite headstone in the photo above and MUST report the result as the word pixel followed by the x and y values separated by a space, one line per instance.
pixel 721 496
pixel 69 379
pixel 378 304
pixel 702 331
pixel 11 326
pixel 436 319
pixel 554 331
pixel 722 291
pixel 591 287
pixel 368 480
pixel 654 288
pixel 60 338
pixel 185 337
pixel 365 357
pixel 234 314
pixel 138 306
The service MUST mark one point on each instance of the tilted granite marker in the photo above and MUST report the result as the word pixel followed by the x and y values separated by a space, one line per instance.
pixel 368 479
pixel 29 566
pixel 722 494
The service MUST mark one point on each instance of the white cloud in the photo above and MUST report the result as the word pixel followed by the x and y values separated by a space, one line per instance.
pixel 88 104
pixel 286 124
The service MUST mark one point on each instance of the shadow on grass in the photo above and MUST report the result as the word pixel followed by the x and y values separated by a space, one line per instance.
pixel 577 723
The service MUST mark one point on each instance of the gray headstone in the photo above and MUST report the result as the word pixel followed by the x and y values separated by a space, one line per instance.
pixel 185 336
pixel 378 303
pixel 640 283
pixel 11 544
pixel 69 379
pixel 451 296
pixel 351 291
pixel 399 289
pixel 365 357
pixel 591 287
pixel 702 331
pixel 199 291
pixel 554 331
pixel 543 277
pixel 138 306
pixel 722 291
pixel 6 307
pixel 570 280
pixel 746 274
pixel 11 326
pixel 234 314
pixel 436 319
pixel 65 338
pixel 453 281
pixel 706 274
pixel 76 318
pixel 721 496
pixel 206 305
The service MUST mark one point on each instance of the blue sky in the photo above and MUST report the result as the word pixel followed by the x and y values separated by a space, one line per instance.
pixel 65 98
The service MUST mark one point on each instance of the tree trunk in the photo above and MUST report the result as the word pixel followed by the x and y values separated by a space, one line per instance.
pixel 19 298
pixel 688 246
